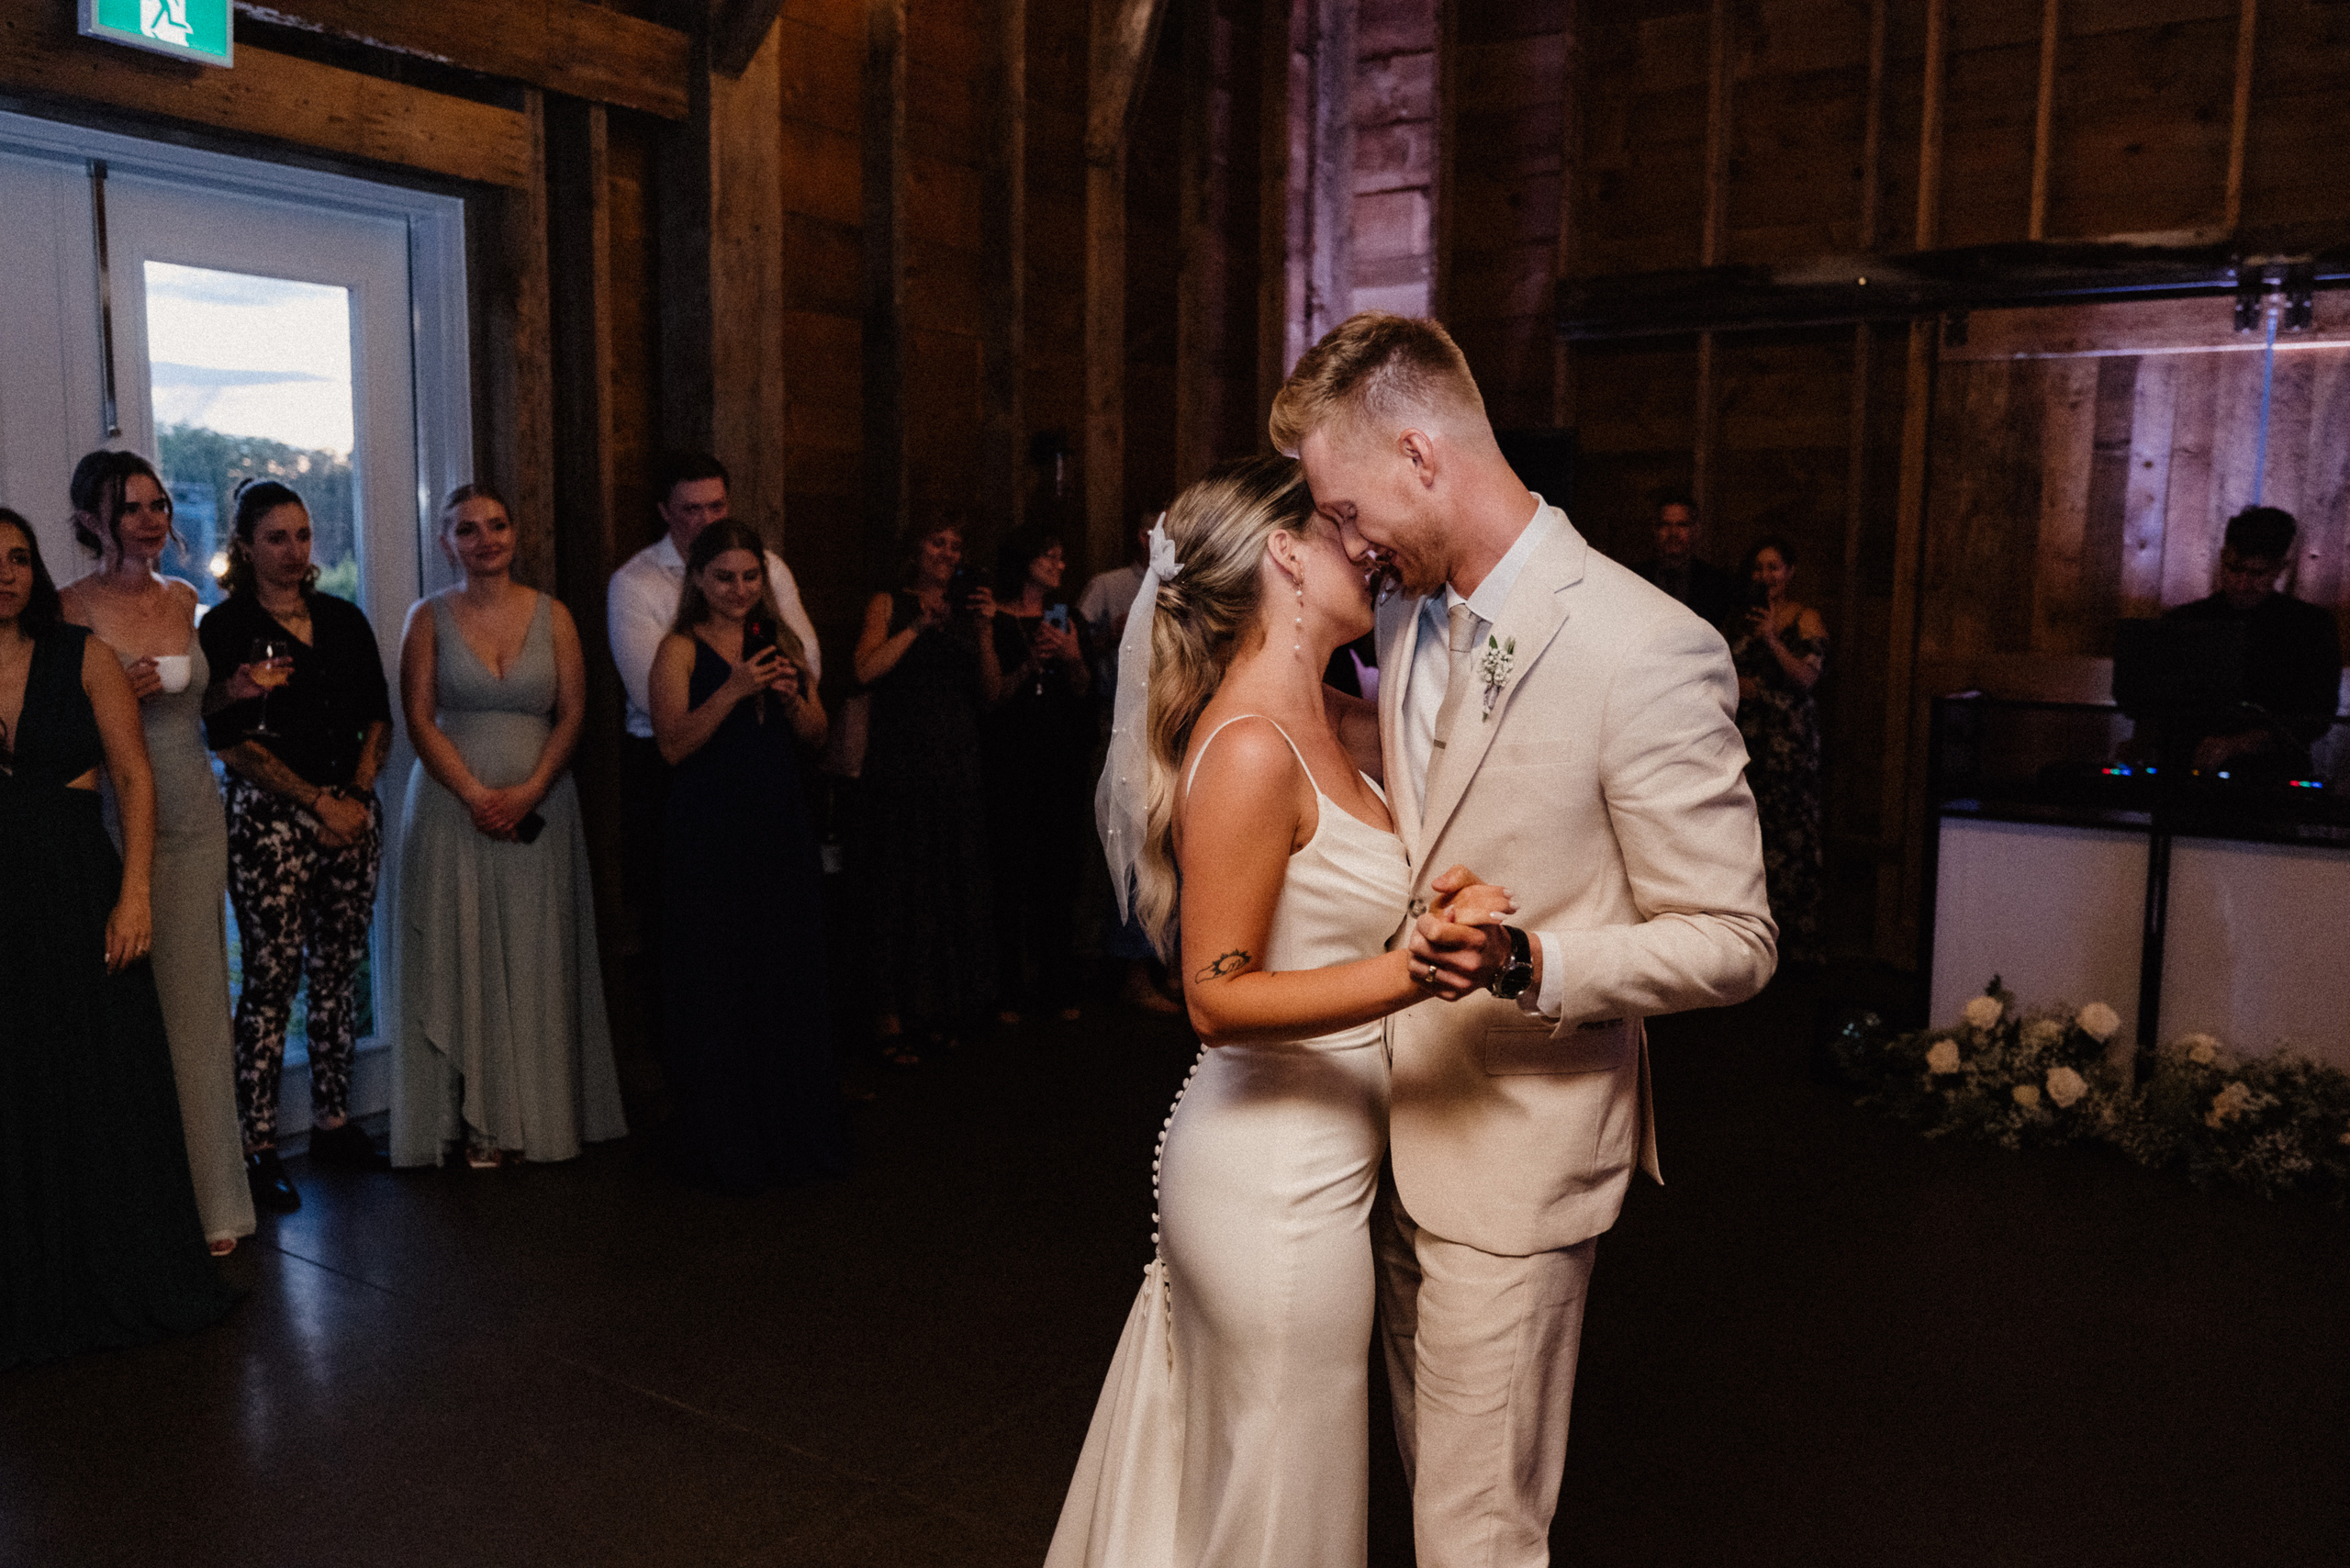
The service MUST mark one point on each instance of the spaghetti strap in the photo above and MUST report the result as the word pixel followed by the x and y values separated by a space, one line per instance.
pixel 1227 725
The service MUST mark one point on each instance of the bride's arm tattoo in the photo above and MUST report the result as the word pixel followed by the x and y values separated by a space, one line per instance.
pixel 1230 963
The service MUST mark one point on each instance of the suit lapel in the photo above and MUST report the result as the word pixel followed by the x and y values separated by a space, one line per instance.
pixel 1531 617
pixel 1399 620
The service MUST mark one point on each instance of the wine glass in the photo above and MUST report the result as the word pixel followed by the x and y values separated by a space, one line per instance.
pixel 272 666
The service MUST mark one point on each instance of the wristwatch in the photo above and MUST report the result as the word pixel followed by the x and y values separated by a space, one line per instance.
pixel 1509 981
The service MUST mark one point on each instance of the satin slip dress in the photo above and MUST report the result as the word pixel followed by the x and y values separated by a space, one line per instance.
pixel 1234 1425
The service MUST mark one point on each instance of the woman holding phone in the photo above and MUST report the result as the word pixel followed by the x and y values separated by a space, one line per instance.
pixel 1040 790
pixel 122 514
pixel 303 724
pixel 504 1049
pixel 746 1023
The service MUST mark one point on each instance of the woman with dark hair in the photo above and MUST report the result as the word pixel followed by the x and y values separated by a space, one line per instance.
pixel 122 515
pixel 744 1019
pixel 100 1241
pixel 303 724
pixel 503 1048
pixel 1779 658
pixel 1039 740
pixel 929 658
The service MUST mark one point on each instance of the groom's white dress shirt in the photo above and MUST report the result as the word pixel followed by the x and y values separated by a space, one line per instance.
pixel 1431 672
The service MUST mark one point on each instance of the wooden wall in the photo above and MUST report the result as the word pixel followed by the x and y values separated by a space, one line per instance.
pixel 1780 132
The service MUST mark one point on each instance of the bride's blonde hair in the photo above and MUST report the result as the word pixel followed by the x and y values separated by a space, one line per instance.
pixel 1219 528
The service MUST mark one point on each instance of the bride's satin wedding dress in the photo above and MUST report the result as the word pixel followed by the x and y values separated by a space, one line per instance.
pixel 1233 1427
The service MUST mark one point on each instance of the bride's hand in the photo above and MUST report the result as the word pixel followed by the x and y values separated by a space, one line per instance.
pixel 1465 899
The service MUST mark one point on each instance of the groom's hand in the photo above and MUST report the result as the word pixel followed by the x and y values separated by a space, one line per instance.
pixel 1462 933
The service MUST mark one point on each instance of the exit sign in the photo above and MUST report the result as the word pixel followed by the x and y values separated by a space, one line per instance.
pixel 186 30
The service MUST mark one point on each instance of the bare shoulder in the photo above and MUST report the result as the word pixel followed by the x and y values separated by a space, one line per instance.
pixel 1239 764
pixel 1809 623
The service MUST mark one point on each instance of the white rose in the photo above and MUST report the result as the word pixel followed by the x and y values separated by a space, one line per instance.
pixel 2097 1022
pixel 2042 1033
pixel 1985 1012
pixel 2066 1087
pixel 1941 1057
pixel 2027 1095
pixel 2228 1105
pixel 2201 1049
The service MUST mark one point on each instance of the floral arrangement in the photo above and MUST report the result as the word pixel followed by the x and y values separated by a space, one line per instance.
pixel 1494 663
pixel 2052 1075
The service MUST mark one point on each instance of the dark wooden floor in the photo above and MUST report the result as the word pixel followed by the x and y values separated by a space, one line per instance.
pixel 1824 1342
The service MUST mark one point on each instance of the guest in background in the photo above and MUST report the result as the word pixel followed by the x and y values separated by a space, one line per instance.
pixel 927 653
pixel 1108 600
pixel 100 1242
pixel 1676 567
pixel 1040 794
pixel 122 514
pixel 303 724
pixel 692 491
pixel 746 1022
pixel 1779 655
pixel 503 1048
pixel 2292 650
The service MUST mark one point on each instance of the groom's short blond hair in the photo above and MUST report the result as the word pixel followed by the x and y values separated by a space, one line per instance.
pixel 1375 371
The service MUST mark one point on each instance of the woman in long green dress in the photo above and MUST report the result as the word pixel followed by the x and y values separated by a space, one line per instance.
pixel 503 1048
pixel 99 1240
pixel 123 514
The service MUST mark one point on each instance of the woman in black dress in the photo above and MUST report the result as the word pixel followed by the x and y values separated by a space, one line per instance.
pixel 1040 783
pixel 1779 655
pixel 744 1020
pixel 99 1240
pixel 929 660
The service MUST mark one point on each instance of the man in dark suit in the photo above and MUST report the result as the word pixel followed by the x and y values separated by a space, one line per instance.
pixel 2292 671
pixel 1716 595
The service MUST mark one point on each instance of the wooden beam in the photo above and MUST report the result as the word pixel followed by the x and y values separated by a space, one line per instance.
pixel 1713 239
pixel 746 391
pixel 882 153
pixel 1004 232
pixel 1901 826
pixel 1200 281
pixel 1122 37
pixel 1275 178
pixel 273 97
pixel 567 46
pixel 1104 453
pixel 1849 693
pixel 2240 124
pixel 2044 119
pixel 519 435
pixel 737 28
pixel 1566 245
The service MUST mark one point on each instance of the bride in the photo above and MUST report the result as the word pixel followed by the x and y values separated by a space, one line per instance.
pixel 1234 1425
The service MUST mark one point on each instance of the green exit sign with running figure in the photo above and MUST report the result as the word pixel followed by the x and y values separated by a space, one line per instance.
pixel 186 30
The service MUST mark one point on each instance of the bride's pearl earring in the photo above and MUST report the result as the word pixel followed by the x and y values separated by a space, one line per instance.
pixel 1299 647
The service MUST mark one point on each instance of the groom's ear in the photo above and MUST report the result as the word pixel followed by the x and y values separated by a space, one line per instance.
pixel 1418 448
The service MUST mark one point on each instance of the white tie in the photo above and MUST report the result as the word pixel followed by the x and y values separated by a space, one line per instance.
pixel 1461 640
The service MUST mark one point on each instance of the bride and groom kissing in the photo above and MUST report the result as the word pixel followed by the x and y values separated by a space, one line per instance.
pixel 1421 1093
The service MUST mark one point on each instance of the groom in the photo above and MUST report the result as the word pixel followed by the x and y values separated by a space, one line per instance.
pixel 1567 730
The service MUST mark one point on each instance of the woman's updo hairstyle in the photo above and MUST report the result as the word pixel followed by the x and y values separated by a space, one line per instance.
pixel 1219 528
pixel 255 499
pixel 97 491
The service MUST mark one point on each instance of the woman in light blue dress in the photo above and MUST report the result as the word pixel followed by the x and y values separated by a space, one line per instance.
pixel 503 1046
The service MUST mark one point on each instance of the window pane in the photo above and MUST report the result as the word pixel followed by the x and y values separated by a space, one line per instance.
pixel 252 377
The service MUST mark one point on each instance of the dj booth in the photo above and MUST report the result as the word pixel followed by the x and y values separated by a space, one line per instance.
pixel 2080 859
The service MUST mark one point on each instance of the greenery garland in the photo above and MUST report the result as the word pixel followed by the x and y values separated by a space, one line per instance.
pixel 2052 1075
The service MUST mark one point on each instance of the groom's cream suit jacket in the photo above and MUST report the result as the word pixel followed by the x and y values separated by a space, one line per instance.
pixel 1606 789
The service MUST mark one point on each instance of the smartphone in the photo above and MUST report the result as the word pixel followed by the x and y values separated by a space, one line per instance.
pixel 758 635
pixel 527 830
pixel 1759 597
pixel 1056 617
pixel 960 589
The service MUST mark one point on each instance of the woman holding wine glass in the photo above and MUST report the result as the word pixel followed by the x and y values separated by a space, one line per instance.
pixel 303 724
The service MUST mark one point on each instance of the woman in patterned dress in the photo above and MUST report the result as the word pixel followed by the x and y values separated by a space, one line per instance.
pixel 1779 657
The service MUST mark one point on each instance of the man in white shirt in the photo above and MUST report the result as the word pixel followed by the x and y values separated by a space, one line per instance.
pixel 639 610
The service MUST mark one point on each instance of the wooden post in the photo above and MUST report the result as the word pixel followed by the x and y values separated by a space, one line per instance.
pixel 1901 823
pixel 747 385
pixel 1003 228
pixel 517 440
pixel 1856 459
pixel 1277 178
pixel 1203 279
pixel 884 341
pixel 2238 127
pixel 587 541
pixel 1329 288
pixel 1565 248
pixel 2044 121
pixel 1123 36
pixel 1713 240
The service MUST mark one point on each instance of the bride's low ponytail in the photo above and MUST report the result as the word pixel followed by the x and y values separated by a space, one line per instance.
pixel 1219 528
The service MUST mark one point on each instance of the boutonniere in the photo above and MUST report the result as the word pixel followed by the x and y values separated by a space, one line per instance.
pixel 1495 663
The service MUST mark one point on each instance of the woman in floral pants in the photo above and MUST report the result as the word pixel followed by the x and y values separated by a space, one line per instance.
pixel 303 724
